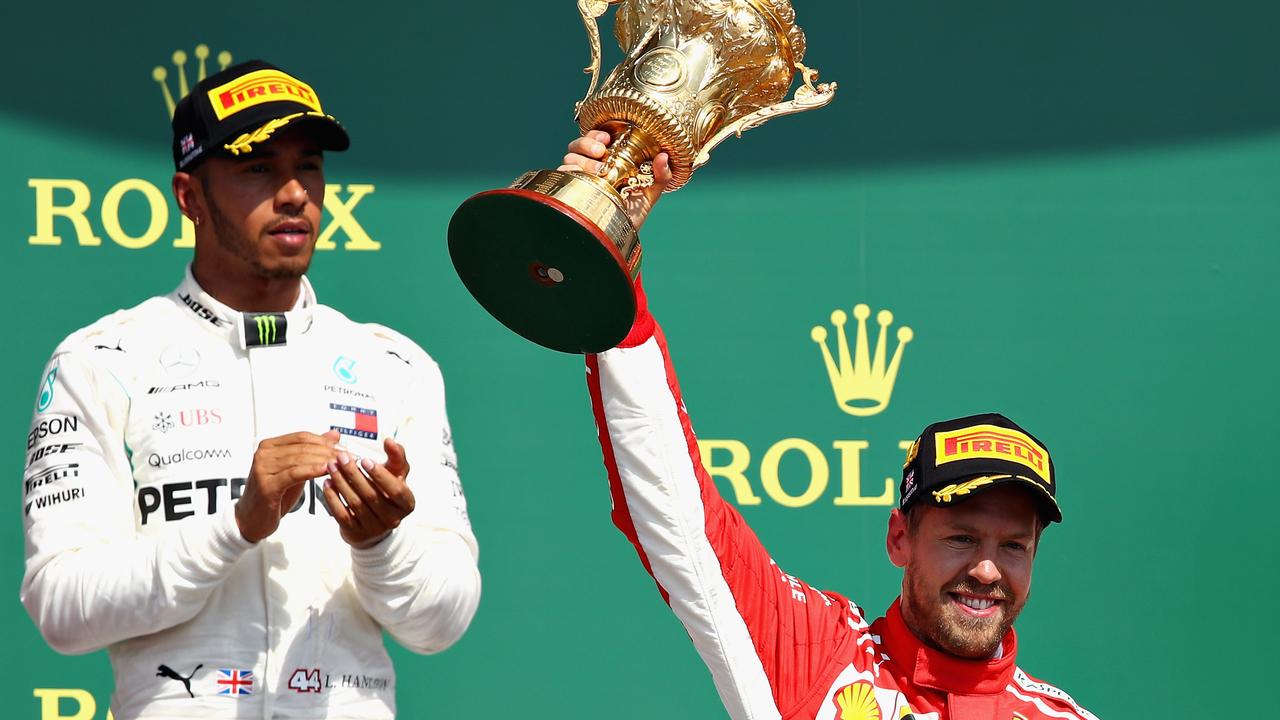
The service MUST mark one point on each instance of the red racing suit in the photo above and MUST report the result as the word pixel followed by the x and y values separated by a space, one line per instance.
pixel 776 647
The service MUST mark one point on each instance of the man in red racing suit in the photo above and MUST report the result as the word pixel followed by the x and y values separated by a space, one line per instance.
pixel 778 648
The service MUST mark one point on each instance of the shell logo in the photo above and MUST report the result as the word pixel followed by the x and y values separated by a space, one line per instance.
pixel 858 702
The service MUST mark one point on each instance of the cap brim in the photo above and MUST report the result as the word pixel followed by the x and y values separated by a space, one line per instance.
pixel 324 129
pixel 327 131
pixel 965 488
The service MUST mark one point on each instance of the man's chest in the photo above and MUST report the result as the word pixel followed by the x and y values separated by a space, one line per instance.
pixel 197 413
pixel 871 686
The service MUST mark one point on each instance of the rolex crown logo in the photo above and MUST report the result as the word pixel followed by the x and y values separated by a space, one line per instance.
pixel 161 75
pixel 862 385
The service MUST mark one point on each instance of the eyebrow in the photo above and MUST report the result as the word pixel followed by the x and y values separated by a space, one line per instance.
pixel 963 527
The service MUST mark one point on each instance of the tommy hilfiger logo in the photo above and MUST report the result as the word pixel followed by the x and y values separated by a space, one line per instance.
pixel 354 421
pixel 862 385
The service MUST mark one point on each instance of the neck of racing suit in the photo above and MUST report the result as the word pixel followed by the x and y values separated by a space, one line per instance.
pixel 241 328
pixel 927 667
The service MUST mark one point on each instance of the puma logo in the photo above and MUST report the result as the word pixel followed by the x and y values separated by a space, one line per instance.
pixel 399 357
pixel 108 347
pixel 168 672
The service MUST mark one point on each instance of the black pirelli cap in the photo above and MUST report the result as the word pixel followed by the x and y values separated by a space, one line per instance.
pixel 237 110
pixel 954 460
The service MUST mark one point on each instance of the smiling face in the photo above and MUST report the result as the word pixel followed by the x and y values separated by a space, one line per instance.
pixel 966 569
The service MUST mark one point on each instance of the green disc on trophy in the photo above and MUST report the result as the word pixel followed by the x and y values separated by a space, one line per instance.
pixel 553 256
pixel 545 270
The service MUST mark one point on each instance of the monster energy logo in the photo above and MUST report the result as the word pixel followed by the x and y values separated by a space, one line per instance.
pixel 264 329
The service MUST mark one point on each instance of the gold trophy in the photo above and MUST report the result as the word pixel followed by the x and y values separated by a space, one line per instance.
pixel 554 256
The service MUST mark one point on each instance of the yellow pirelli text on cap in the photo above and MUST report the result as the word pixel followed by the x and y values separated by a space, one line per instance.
pixel 260 86
pixel 996 443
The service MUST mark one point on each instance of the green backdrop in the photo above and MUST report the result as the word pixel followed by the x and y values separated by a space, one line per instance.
pixel 1071 204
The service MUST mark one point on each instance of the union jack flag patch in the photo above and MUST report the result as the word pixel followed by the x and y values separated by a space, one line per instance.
pixel 235 682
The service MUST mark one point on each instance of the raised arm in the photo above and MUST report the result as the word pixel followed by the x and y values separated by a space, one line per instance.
pixel 769 640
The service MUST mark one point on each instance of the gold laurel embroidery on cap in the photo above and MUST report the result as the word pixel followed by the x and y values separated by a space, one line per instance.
pixel 245 143
pixel 949 492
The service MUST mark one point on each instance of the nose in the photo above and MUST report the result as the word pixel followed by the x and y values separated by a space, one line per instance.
pixel 985 572
pixel 292 197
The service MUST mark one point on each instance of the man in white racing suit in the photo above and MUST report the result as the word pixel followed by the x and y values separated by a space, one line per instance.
pixel 217 486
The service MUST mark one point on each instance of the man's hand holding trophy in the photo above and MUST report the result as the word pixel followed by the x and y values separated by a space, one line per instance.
pixel 555 255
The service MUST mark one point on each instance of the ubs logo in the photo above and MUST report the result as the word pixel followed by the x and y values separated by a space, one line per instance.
pixel 199 417
pixel 187 418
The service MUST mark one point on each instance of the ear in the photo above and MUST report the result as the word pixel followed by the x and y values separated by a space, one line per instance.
pixel 898 541
pixel 189 194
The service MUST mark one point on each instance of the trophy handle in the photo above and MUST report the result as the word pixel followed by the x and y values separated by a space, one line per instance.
pixel 808 96
pixel 590 10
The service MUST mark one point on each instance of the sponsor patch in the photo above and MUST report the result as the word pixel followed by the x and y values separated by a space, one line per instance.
pixel 52 425
pixel 857 702
pixel 159 460
pixel 180 361
pixel 165 671
pixel 354 421
pixel 258 87
pixel 160 389
pixel 201 311
pixel 49 450
pixel 993 443
pixel 50 475
pixel 54 498
pixel 265 329
pixel 46 390
pixel 344 369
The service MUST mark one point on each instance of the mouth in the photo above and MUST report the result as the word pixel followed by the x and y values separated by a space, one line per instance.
pixel 292 233
pixel 978 606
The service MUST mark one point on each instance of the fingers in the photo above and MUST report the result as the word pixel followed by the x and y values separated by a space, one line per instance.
pixel 368 508
pixel 574 161
pixel 661 170
pixel 593 145
pixel 586 152
pixel 272 464
pixel 397 461
pixel 300 438
pixel 390 486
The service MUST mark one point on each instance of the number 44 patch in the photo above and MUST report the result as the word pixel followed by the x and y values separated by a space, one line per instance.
pixel 305 680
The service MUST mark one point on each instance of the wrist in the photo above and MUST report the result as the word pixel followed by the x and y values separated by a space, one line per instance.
pixel 369 544
pixel 244 525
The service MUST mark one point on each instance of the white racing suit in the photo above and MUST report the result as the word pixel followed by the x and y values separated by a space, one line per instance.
pixel 145 428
